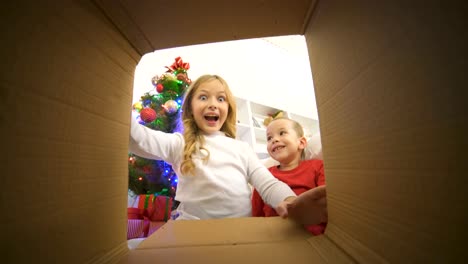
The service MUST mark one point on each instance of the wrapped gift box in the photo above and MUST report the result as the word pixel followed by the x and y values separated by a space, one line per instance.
pixel 140 228
pixel 152 212
pixel 155 207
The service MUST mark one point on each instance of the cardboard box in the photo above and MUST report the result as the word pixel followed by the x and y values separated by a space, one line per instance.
pixel 235 240
pixel 387 77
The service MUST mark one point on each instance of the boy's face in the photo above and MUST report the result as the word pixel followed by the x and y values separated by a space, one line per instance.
pixel 209 106
pixel 283 143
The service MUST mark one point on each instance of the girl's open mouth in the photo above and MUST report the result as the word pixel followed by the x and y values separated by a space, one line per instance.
pixel 211 118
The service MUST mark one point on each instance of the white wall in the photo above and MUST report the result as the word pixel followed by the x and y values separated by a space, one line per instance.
pixel 270 71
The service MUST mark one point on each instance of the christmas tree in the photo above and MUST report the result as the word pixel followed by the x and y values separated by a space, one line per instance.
pixel 159 109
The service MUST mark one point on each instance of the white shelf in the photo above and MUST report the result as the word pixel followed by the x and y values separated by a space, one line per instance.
pixel 244 133
pixel 260 134
pixel 243 112
pixel 250 127
pixel 261 150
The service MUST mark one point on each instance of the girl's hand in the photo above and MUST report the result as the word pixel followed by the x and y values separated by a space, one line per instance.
pixel 310 207
pixel 282 208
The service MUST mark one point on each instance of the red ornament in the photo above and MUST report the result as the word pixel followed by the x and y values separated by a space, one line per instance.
pixel 159 88
pixel 148 115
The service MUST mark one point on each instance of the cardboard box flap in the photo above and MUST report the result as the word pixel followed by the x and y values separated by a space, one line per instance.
pixel 231 240
pixel 329 252
pixel 230 231
pixel 295 251
pixel 356 250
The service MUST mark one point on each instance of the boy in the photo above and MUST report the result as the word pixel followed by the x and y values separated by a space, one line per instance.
pixel 286 144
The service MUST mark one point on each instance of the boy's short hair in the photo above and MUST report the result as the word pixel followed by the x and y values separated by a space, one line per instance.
pixel 296 126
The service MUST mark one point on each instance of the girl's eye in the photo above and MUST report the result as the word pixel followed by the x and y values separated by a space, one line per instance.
pixel 203 97
pixel 282 133
pixel 221 99
pixel 268 138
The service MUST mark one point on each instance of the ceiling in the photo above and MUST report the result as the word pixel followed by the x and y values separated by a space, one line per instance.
pixel 152 25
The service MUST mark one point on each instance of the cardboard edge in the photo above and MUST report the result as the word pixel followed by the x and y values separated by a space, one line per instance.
pixel 261 230
pixel 119 16
pixel 348 247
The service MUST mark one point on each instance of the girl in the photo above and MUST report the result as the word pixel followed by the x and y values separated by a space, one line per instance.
pixel 214 169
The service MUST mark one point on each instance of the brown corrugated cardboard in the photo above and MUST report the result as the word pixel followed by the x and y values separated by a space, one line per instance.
pixel 231 231
pixel 297 251
pixel 385 78
pixel 245 240
pixel 66 78
pixel 392 120
pixel 272 240
pixel 153 25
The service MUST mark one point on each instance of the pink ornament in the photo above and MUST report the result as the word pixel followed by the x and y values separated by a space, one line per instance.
pixel 171 106
pixel 182 77
pixel 148 115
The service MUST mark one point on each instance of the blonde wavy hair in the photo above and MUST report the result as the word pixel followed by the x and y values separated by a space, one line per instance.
pixel 193 137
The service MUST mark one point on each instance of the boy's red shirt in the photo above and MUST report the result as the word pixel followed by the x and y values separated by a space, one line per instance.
pixel 308 175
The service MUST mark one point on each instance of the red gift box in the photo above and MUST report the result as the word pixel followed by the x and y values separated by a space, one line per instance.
pixel 140 228
pixel 155 207
pixel 152 212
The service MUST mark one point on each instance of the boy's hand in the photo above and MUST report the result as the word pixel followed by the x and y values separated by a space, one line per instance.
pixel 309 208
